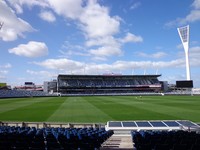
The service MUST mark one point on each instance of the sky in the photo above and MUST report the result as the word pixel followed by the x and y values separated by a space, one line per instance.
pixel 40 39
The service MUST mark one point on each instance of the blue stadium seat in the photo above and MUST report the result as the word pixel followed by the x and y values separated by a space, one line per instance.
pixel 174 140
pixel 52 138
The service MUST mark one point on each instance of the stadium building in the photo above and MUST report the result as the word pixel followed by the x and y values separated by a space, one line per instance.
pixel 50 86
pixel 108 84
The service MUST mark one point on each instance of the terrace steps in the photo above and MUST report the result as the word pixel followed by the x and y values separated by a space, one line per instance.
pixel 118 142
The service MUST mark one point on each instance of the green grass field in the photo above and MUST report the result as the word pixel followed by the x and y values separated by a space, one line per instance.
pixel 100 109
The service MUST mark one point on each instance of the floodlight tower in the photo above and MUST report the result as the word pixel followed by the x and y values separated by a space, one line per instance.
pixel 184 35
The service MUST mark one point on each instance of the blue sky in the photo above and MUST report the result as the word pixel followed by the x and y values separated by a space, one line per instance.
pixel 42 38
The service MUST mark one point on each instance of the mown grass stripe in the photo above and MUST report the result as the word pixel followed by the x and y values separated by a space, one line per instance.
pixel 120 109
pixel 34 110
pixel 20 102
pixel 77 109
pixel 154 104
pixel 101 108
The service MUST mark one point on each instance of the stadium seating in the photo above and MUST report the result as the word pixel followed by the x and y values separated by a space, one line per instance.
pixel 166 140
pixel 21 93
pixel 107 85
pixel 52 138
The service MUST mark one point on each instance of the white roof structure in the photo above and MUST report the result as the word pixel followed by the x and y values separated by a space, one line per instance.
pixel 151 125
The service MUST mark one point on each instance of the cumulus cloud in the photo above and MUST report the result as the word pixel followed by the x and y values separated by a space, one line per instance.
pixel 68 8
pixel 155 55
pixel 96 21
pixel 47 16
pixel 109 40
pixel 131 38
pixel 13 27
pixel 93 19
pixel 107 46
pixel 193 16
pixel 106 51
pixel 40 73
pixel 31 49
pixel 67 65
pixel 110 46
pixel 18 4
pixel 60 64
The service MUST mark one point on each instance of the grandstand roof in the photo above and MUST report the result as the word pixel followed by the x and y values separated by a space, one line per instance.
pixel 107 75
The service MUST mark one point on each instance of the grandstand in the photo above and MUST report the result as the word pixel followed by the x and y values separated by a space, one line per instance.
pixel 107 84
pixel 30 86
pixel 21 93
pixel 115 135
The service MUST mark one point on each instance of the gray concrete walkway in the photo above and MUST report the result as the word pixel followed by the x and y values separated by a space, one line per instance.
pixel 118 142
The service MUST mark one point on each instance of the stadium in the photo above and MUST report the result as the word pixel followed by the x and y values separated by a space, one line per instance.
pixel 94 111
pixel 119 112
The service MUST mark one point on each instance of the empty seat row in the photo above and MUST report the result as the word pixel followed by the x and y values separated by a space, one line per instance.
pixel 52 138
pixel 166 140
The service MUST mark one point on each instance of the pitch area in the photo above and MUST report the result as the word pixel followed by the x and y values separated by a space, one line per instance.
pixel 100 109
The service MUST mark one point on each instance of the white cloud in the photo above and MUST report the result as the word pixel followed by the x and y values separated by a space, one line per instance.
pixel 60 64
pixel 3 71
pixel 110 46
pixel 107 46
pixel 6 66
pixel 135 5
pixel 2 78
pixel 96 21
pixel 3 74
pixel 106 51
pixel 131 38
pixel 47 16
pixel 155 55
pixel 193 16
pixel 31 49
pixel 108 40
pixel 18 4
pixel 196 4
pixel 13 27
pixel 194 55
pixel 69 66
pixel 148 64
pixel 68 8
pixel 40 73
pixel 93 19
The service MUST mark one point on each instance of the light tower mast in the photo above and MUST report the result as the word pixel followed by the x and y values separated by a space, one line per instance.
pixel 184 35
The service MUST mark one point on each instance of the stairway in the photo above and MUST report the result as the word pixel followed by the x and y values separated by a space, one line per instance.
pixel 118 142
